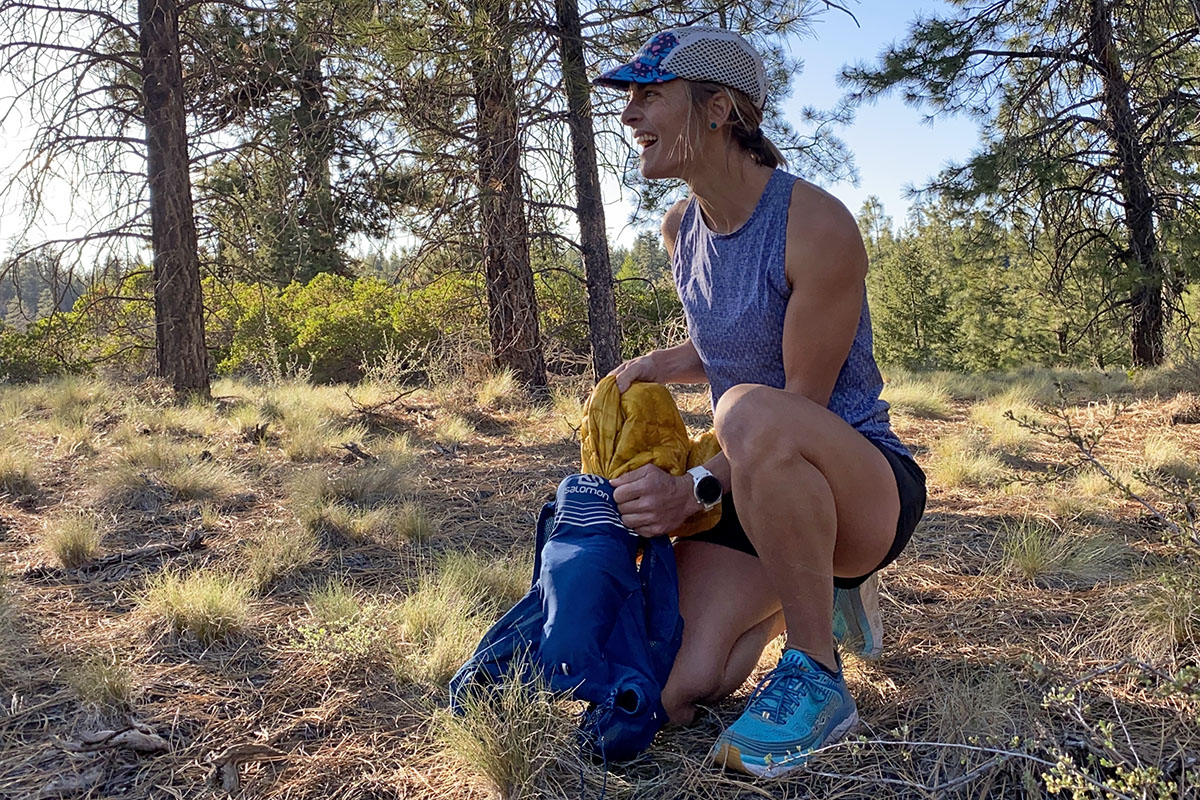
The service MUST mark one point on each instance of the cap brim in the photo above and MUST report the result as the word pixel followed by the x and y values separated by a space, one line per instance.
pixel 633 72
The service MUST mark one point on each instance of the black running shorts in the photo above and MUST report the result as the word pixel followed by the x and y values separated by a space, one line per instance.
pixel 910 481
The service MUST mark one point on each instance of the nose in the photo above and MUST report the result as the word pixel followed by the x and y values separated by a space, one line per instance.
pixel 631 114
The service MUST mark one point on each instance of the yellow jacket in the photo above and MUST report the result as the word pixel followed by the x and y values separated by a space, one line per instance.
pixel 621 432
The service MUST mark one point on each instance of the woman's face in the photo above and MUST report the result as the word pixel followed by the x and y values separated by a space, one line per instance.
pixel 659 115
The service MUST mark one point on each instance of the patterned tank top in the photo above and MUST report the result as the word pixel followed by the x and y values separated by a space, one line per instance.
pixel 735 291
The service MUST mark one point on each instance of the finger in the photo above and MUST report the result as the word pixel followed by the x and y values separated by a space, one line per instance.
pixel 629 477
pixel 625 493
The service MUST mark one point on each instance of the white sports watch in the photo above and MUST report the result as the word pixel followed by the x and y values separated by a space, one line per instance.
pixel 706 488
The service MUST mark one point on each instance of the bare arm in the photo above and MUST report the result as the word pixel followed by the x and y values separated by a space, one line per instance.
pixel 826 263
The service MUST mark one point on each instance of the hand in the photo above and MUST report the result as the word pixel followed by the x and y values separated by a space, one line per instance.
pixel 653 502
pixel 638 369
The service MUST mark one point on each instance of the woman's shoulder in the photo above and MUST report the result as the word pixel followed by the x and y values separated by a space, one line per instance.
pixel 671 222
pixel 820 227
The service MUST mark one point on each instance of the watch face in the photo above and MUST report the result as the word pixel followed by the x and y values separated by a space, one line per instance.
pixel 708 489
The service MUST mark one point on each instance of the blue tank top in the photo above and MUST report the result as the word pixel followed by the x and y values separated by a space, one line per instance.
pixel 734 291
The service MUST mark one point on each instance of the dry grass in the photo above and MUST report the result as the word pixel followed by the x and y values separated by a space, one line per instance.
pixel 1006 434
pixel 453 429
pixel 444 618
pixel 501 390
pixel 208 605
pixel 918 398
pixel 516 743
pixel 963 460
pixel 352 644
pixel 1164 456
pixel 278 555
pixel 104 683
pixel 72 539
pixel 16 472
pixel 1038 551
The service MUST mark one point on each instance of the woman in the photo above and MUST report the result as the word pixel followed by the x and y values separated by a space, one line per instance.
pixel 770 270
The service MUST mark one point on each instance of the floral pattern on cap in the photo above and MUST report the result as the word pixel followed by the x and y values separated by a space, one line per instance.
pixel 644 66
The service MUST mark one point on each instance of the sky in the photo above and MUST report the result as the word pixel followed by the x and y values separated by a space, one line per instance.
pixel 892 147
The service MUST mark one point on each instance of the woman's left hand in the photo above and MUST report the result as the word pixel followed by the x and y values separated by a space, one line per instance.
pixel 652 502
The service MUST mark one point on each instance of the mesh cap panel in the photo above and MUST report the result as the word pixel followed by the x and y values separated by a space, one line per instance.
pixel 712 54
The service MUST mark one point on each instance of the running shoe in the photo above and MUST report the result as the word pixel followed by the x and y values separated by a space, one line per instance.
pixel 798 708
pixel 857 624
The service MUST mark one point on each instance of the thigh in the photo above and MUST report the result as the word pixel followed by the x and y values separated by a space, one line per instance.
pixel 760 425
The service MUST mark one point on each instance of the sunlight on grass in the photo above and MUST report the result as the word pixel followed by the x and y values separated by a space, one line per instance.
pixel 453 429
pixel 208 605
pixel 334 603
pixel 16 472
pixel 501 390
pixel 964 461
pixel 1038 551
pixel 72 539
pixel 1003 433
pixel 509 740
pixel 917 397
pixel 1166 458
pixel 279 554
pixel 444 618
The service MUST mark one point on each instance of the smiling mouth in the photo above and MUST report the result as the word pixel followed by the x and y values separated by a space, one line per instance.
pixel 646 141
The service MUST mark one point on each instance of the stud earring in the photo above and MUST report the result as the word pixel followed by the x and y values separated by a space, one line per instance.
pixel 712 125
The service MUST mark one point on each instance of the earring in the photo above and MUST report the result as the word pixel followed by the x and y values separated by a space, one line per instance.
pixel 712 125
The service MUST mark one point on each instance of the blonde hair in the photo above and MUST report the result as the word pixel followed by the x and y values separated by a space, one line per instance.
pixel 745 121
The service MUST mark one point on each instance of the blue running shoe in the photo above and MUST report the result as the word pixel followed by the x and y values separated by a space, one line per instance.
pixel 798 708
pixel 857 624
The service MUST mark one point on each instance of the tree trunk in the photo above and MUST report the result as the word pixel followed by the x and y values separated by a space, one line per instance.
pixel 319 251
pixel 178 306
pixel 1146 294
pixel 512 303
pixel 603 329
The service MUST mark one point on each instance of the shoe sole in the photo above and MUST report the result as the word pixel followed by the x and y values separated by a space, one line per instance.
pixel 729 756
pixel 858 606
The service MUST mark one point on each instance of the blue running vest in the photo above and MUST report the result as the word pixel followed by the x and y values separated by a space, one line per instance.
pixel 735 291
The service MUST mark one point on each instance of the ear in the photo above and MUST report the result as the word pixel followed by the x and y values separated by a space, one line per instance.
pixel 720 108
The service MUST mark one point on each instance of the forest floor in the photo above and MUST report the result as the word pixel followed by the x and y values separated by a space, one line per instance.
pixel 223 600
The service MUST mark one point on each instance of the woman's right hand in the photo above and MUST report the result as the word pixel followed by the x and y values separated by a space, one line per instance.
pixel 638 369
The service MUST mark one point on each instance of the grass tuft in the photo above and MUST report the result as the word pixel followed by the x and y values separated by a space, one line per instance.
pixel 501 390
pixel 72 540
pixel 1038 551
pixel 103 682
pixel 1003 433
pixel 509 740
pixel 443 620
pixel 208 605
pixel 278 555
pixel 16 474
pixel 1167 459
pixel 918 398
pixel 965 461
pixel 452 430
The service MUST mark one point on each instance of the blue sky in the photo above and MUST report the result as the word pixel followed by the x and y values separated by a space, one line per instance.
pixel 892 146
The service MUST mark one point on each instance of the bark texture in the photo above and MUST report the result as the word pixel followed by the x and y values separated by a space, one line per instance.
pixel 1146 293
pixel 512 304
pixel 603 328
pixel 178 307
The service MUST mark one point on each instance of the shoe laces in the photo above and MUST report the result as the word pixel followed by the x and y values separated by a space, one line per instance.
pixel 779 693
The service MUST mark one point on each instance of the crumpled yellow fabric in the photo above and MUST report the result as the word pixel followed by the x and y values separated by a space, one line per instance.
pixel 621 432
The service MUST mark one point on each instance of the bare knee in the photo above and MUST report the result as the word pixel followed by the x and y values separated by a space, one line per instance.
pixel 748 428
pixel 689 686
